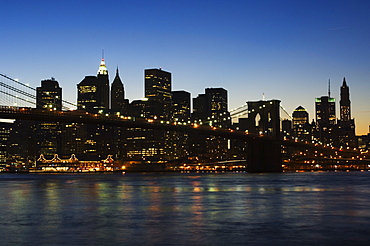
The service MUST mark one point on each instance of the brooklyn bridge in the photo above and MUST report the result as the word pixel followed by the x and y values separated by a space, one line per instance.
pixel 266 148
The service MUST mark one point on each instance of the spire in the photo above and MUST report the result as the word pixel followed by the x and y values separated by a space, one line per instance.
pixel 329 89
pixel 344 82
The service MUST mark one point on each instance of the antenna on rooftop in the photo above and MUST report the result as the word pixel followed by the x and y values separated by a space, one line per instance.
pixel 329 89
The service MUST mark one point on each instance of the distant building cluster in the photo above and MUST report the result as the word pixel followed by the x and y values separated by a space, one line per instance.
pixel 25 141
pixel 327 129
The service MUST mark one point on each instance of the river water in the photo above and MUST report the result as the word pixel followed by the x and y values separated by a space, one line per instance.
pixel 312 208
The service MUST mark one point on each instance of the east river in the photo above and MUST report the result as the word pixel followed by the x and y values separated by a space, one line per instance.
pixel 312 208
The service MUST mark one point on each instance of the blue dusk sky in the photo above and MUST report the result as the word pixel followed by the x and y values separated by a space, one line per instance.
pixel 286 50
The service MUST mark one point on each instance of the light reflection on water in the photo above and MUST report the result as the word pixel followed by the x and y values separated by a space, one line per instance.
pixel 186 209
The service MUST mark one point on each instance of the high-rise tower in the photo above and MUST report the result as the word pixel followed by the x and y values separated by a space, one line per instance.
pixel 49 95
pixel 118 95
pixel 47 134
pixel 301 125
pixel 346 125
pixel 326 120
pixel 93 91
pixel 345 103
pixel 103 84
pixel 158 91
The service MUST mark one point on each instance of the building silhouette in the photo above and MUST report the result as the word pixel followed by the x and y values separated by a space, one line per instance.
pixel 93 91
pixel 211 109
pixel 48 134
pixel 301 127
pixel 158 92
pixel 118 102
pixel 5 130
pixel 346 125
pixel 326 128
pixel 49 95
pixel 181 106
pixel 149 144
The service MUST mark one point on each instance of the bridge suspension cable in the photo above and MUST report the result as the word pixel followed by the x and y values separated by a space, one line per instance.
pixel 29 97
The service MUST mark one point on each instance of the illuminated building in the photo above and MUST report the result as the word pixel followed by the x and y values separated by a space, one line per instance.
pixel 158 91
pixel 177 144
pixel 5 129
pixel 326 120
pixel 47 134
pixel 181 106
pixel 149 144
pixel 301 126
pixel 210 108
pixel 93 91
pixel 346 125
pixel 49 95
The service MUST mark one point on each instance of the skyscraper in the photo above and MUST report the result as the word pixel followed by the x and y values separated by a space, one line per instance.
pixel 301 125
pixel 181 106
pixel 158 91
pixel 212 108
pixel 345 103
pixel 5 129
pixel 93 91
pixel 49 95
pixel 346 125
pixel 326 120
pixel 118 102
pixel 47 134
pixel 103 85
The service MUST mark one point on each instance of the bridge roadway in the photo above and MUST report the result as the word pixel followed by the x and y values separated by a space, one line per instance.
pixel 263 152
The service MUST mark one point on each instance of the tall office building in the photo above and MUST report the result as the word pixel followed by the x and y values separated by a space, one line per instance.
pixel 212 108
pixel 199 108
pixel 5 129
pixel 49 95
pixel 217 107
pixel 326 120
pixel 103 83
pixel 181 106
pixel 301 125
pixel 47 134
pixel 346 125
pixel 118 102
pixel 158 91
pixel 176 146
pixel 345 103
pixel 93 91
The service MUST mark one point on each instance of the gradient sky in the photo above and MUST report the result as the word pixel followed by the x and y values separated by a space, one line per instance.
pixel 287 50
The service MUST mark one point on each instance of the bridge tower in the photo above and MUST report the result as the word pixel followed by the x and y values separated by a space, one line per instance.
pixel 264 154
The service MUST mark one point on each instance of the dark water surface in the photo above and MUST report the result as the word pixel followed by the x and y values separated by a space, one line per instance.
pixel 331 208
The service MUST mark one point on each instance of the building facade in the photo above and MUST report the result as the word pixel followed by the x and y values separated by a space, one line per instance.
pixel 93 91
pixel 118 102
pixel 346 125
pixel 326 128
pixel 49 95
pixel 158 92
pixel 301 127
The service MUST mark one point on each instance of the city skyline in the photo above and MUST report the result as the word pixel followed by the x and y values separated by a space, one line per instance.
pixel 286 50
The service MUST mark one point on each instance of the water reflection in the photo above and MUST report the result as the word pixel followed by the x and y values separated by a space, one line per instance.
pixel 184 209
